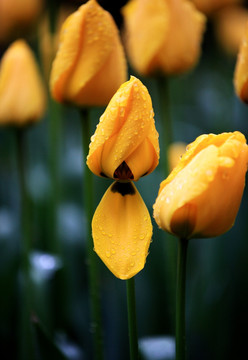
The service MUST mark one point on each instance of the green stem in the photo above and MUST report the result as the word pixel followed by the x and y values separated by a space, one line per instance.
pixel 55 135
pixel 166 140
pixel 92 259
pixel 132 327
pixel 166 123
pixel 25 306
pixel 180 300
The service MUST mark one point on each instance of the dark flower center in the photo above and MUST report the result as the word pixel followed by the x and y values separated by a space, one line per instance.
pixel 123 172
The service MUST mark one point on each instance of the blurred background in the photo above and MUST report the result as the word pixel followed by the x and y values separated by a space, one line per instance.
pixel 201 101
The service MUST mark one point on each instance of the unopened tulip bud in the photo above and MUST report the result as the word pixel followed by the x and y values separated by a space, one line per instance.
pixel 22 93
pixel 90 64
pixel 125 144
pixel 163 35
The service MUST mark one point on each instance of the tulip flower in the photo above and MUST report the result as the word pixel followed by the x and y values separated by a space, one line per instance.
pixel 22 93
pixel 241 69
pixel 162 35
pixel 17 16
pixel 210 6
pixel 202 195
pixel 175 152
pixel 124 147
pixel 125 144
pixel 90 65
pixel 230 24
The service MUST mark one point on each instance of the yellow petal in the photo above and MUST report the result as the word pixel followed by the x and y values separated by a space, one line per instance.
pixel 210 6
pixel 90 64
pixel 122 230
pixel 230 23
pixel 22 93
pixel 175 152
pixel 182 44
pixel 202 195
pixel 125 130
pixel 17 18
pixel 241 69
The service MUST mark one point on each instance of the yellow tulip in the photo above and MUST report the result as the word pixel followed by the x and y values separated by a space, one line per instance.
pixel 210 6
pixel 90 64
pixel 22 93
pixel 202 195
pixel 162 35
pixel 230 24
pixel 175 152
pixel 17 16
pixel 241 69
pixel 125 144
pixel 122 230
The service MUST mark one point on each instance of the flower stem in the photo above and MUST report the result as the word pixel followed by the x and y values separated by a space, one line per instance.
pixel 55 136
pixel 180 300
pixel 166 123
pixel 92 259
pixel 166 140
pixel 25 288
pixel 132 327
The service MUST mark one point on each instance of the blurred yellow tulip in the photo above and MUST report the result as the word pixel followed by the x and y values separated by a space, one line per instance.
pixel 125 144
pixel 202 195
pixel 230 23
pixel 175 152
pixel 241 69
pixel 162 35
pixel 210 6
pixel 17 17
pixel 90 64
pixel 122 230
pixel 22 93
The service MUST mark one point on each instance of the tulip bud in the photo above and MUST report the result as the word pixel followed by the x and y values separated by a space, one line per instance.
pixel 175 152
pixel 162 35
pixel 90 64
pixel 17 17
pixel 230 24
pixel 202 195
pixel 22 93
pixel 125 144
pixel 241 69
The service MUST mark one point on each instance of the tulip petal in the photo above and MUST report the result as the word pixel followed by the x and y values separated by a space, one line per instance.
pixel 181 48
pixel 142 46
pixel 241 69
pixel 122 230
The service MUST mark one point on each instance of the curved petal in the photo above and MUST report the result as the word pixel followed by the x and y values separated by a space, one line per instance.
pixel 189 183
pixel 241 69
pixel 146 24
pixel 182 44
pixel 122 230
